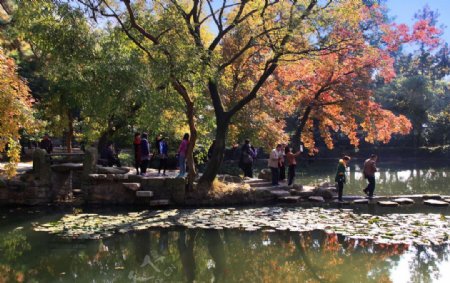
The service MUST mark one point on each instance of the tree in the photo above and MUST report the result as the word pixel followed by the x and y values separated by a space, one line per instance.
pixel 16 111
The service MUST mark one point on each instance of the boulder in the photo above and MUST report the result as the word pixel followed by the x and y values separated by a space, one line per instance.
pixel 159 202
pixel 177 189
pixel 316 199
pixel 132 186
pixel 324 192
pixel 404 200
pixel 265 174
pixel 388 203
pixel 434 202
pixel 90 162
pixel 41 166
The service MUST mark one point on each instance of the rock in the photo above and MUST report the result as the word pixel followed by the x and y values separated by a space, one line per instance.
pixel 112 170
pixel 446 199
pixel 388 203
pixel 290 199
pixel 97 177
pixel 41 166
pixel 431 196
pixel 297 187
pixel 404 200
pixel 90 161
pixel 324 192
pixel 144 194
pixel 265 174
pixel 177 188
pixel 261 184
pixel 158 202
pixel 316 199
pixel 132 186
pixel 361 201
pixel 280 193
pixel 434 202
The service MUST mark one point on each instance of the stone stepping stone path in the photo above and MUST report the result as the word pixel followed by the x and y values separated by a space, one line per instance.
pixel 361 201
pixel 434 202
pixel 431 196
pixel 418 228
pixel 316 199
pixel 388 203
pixel 404 200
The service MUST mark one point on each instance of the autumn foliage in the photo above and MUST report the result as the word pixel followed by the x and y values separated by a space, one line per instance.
pixel 15 111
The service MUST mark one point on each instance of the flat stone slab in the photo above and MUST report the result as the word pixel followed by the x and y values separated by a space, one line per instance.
pixel 388 203
pixel 290 199
pixel 144 194
pixel 66 167
pixel 404 200
pixel 361 201
pixel 316 199
pixel 132 186
pixel 431 196
pixel 159 202
pixel 434 202
pixel 280 193
pixel 112 170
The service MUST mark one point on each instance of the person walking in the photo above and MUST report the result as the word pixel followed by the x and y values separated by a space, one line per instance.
pixel 340 175
pixel 137 152
pixel 182 152
pixel 370 167
pixel 246 159
pixel 145 154
pixel 282 163
pixel 163 150
pixel 292 163
pixel 46 144
pixel 274 164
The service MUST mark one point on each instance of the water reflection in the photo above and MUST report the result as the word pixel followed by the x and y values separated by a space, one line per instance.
pixel 393 178
pixel 188 255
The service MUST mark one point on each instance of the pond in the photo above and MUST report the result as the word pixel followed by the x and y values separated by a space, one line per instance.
pixel 177 254
pixel 395 176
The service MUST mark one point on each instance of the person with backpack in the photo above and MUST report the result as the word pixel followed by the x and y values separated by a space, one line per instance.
pixel 340 175
pixel 369 173
pixel 246 159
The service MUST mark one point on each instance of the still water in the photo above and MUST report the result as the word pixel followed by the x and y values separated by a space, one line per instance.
pixel 402 176
pixel 188 255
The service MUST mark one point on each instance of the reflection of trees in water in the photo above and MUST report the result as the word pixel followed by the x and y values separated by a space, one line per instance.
pixel 220 256
pixel 424 265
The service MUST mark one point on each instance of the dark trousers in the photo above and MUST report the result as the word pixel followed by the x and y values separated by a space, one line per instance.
pixel 371 186
pixel 114 161
pixel 275 175
pixel 340 187
pixel 144 165
pixel 137 165
pixel 291 174
pixel 248 171
pixel 282 172
pixel 162 165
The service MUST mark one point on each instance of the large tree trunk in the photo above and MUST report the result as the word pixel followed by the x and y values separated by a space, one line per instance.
pixel 213 166
pixel 192 173
pixel 296 138
pixel 69 137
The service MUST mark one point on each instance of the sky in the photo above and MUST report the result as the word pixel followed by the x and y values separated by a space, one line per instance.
pixel 404 11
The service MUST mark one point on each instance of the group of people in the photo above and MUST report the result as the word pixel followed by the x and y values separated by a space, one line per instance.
pixel 143 155
pixel 281 157
pixel 369 170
